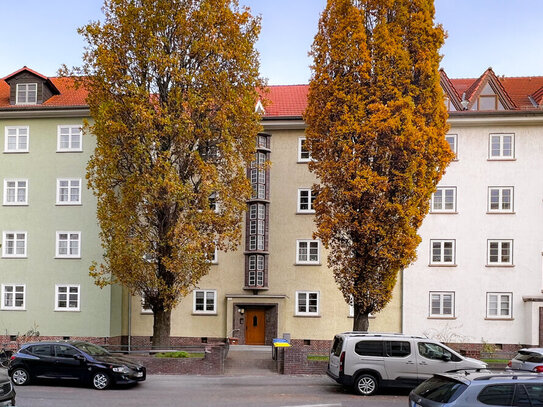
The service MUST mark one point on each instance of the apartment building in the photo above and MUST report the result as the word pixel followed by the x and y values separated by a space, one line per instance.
pixel 478 276
pixel 47 218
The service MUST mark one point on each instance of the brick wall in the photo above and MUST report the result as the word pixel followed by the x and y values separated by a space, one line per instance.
pixel 211 364
pixel 293 360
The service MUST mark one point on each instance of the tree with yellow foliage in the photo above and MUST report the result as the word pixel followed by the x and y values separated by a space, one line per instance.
pixel 376 124
pixel 172 89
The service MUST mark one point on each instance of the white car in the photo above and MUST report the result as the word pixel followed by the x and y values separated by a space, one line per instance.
pixel 367 361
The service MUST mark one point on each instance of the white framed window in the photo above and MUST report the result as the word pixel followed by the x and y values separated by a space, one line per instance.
pixel 256 270
pixel 452 140
pixel 69 138
pixel 205 301
pixel 303 152
pixel 15 192
pixel 306 197
pixel 500 199
pixel 442 252
pixel 13 296
pixel 26 94
pixel 145 308
pixel 16 139
pixel 68 191
pixel 500 252
pixel 499 305
pixel 14 244
pixel 214 256
pixel 67 297
pixel 502 146
pixel 441 304
pixel 68 245
pixel 307 303
pixel 443 200
pixel 307 252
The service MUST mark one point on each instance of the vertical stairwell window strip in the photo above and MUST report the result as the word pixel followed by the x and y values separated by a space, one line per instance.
pixel 307 303
pixel 257 216
pixel 500 199
pixel 256 270
pixel 205 301
pixel 444 200
pixel 15 192
pixel 442 304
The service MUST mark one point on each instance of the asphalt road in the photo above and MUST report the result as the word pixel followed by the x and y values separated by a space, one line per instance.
pixel 200 391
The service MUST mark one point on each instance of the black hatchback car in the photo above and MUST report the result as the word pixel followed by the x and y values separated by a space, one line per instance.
pixel 73 360
pixel 7 392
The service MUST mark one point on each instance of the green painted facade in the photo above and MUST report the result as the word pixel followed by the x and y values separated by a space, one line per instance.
pixel 99 313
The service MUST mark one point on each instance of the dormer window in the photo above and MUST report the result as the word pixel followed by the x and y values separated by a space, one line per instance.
pixel 27 93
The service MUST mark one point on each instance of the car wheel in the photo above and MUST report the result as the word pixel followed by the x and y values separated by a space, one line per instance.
pixel 100 380
pixel 366 385
pixel 20 376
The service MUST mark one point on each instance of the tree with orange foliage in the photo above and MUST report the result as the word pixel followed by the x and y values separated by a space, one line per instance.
pixel 172 88
pixel 376 124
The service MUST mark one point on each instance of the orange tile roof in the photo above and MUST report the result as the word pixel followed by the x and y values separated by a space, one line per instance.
pixel 68 97
pixel 290 101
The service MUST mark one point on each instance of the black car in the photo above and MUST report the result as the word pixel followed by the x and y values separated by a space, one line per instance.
pixel 73 360
pixel 7 392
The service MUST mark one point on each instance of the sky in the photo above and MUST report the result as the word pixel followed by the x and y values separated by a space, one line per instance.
pixel 502 34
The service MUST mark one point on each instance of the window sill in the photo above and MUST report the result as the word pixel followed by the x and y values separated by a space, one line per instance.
pixel 15 257
pixel 67 310
pixel 440 317
pixel 69 151
pixel 443 213
pixel 16 152
pixel 499 319
pixel 500 213
pixel 303 161
pixel 13 309
pixel 20 204
pixel 305 212
pixel 67 258
pixel 442 265
pixel 306 316
pixel 205 314
pixel 68 204
pixel 500 265
pixel 501 159
pixel 308 264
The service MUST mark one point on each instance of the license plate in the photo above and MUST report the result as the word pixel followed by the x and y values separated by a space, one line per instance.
pixel 139 374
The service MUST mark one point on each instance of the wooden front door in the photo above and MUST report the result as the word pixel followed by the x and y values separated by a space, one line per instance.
pixel 255 327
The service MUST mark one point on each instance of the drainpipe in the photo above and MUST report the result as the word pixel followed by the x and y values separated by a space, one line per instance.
pixel 129 321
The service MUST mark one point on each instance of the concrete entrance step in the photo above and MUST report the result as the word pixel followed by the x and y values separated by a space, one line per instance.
pixel 245 360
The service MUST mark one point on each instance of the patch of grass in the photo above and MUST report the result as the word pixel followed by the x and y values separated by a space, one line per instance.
pixel 180 354
pixel 318 357
pixel 495 360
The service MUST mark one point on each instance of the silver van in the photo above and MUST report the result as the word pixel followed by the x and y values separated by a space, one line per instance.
pixel 367 361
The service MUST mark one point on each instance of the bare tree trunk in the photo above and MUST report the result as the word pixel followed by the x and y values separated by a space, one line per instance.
pixel 361 320
pixel 161 329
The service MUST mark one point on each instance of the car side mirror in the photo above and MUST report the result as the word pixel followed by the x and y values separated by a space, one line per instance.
pixel 446 358
pixel 81 358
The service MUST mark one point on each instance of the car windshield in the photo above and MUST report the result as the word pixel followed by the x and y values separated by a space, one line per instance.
pixel 528 356
pixel 440 389
pixel 91 349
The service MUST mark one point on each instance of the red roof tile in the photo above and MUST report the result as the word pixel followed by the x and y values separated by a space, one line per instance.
pixel 285 101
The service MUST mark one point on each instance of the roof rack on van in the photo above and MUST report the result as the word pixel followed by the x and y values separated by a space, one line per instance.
pixel 513 376
pixel 381 334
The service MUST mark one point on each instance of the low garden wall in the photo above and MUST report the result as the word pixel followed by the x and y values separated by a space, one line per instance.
pixel 211 364
pixel 297 360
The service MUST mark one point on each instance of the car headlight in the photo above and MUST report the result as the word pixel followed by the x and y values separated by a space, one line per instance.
pixel 121 369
